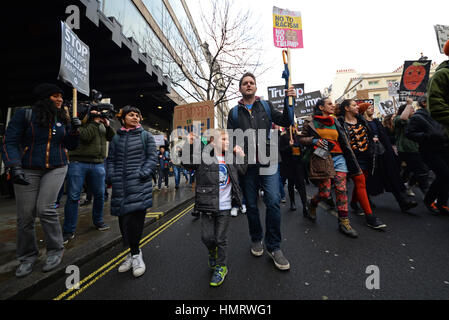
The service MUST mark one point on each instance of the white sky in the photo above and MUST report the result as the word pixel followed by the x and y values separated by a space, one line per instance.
pixel 369 36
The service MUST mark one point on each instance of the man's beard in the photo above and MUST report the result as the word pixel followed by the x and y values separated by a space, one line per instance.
pixel 249 96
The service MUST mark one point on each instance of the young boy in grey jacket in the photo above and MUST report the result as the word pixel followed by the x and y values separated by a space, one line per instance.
pixel 217 191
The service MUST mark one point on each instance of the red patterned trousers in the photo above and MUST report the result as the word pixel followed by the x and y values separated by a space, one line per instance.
pixel 324 192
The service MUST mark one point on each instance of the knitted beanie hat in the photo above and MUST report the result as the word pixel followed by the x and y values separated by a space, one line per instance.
pixel 363 107
pixel 45 90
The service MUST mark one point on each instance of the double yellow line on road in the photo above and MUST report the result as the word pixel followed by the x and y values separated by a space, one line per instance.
pixel 106 268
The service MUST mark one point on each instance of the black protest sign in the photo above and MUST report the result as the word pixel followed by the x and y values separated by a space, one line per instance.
pixel 276 95
pixel 306 108
pixel 414 79
pixel 75 56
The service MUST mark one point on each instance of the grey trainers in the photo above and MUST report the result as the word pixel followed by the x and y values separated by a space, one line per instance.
pixel 257 248
pixel 51 262
pixel 279 260
pixel 24 269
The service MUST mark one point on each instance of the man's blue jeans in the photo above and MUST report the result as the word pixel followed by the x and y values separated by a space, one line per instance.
pixel 270 185
pixel 95 175
pixel 281 183
pixel 177 174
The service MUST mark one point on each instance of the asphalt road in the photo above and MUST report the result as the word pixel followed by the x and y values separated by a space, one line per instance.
pixel 412 257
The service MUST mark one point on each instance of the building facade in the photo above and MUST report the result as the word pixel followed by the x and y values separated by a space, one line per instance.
pixel 166 32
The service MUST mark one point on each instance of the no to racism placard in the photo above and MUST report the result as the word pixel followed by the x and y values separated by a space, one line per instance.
pixel 75 57
pixel 287 28
pixel 414 79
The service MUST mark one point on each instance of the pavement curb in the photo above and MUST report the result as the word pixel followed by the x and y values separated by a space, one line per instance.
pixel 47 278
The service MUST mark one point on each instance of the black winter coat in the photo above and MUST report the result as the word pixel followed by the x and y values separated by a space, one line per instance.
pixel 291 164
pixel 386 175
pixel 428 133
pixel 207 189
pixel 129 169
pixel 258 119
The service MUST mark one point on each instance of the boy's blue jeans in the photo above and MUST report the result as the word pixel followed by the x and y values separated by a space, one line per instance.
pixel 270 185
pixel 95 175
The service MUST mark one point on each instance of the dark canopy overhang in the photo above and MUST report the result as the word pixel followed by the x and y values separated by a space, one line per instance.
pixel 117 68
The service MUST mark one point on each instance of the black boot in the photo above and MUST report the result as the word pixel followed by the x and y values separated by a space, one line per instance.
pixel 330 202
pixel 305 209
pixel 407 205
pixel 312 211
pixel 292 206
pixel 356 209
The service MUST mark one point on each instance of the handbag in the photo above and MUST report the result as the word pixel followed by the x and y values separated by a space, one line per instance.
pixel 379 148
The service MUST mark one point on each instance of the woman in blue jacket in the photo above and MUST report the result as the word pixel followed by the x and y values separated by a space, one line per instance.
pixel 131 162
pixel 34 149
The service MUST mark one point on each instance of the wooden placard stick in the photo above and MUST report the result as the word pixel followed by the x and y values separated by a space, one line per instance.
pixel 75 103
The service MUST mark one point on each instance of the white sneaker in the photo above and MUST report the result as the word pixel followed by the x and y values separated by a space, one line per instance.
pixel 243 208
pixel 127 264
pixel 138 265
pixel 234 212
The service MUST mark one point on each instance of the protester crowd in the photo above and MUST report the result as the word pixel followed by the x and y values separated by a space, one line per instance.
pixel 337 148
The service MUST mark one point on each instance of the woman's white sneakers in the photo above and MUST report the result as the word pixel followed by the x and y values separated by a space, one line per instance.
pixel 135 262
pixel 138 265
pixel 127 264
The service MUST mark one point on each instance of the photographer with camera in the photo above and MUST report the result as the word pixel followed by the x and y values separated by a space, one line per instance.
pixel 34 151
pixel 87 162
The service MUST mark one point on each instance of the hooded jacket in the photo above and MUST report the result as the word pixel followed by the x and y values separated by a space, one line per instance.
pixel 438 95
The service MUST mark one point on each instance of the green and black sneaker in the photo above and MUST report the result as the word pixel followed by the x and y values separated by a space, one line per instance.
pixel 218 276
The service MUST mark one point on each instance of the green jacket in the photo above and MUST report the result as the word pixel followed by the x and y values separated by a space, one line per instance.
pixel 438 95
pixel 403 143
pixel 92 147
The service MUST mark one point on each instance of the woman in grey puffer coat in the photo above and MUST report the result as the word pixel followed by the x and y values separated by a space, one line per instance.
pixel 131 161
